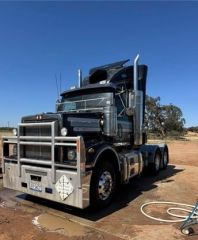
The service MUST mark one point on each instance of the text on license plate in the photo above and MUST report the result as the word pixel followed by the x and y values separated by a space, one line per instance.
pixel 35 186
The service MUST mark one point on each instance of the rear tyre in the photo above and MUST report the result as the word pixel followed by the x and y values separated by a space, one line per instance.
pixel 165 158
pixel 103 185
pixel 155 166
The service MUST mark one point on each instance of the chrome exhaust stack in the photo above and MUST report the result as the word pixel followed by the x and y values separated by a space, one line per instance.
pixel 137 97
pixel 79 78
pixel 135 73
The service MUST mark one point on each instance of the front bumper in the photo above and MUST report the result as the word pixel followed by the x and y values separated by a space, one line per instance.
pixel 78 198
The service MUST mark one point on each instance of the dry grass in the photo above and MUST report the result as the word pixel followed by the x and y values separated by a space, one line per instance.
pixel 191 136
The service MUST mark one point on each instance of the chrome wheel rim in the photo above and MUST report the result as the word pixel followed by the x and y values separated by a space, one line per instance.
pixel 105 185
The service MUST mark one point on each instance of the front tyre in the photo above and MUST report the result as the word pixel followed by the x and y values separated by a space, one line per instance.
pixel 103 185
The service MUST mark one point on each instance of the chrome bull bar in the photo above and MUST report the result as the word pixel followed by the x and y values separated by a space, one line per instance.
pixel 51 141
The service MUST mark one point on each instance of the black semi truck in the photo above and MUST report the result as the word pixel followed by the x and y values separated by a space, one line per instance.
pixel 94 142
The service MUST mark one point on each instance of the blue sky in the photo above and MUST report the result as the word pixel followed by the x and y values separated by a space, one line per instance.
pixel 39 40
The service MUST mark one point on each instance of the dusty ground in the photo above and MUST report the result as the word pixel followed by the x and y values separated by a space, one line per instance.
pixel 122 220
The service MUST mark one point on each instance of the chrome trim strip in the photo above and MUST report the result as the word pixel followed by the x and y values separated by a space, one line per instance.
pixel 80 129
pixel 87 120
pixel 122 144
pixel 41 162
pixel 36 172
pixel 36 143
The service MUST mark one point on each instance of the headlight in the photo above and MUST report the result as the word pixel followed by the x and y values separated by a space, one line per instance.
pixel 101 122
pixel 14 131
pixel 64 132
pixel 71 154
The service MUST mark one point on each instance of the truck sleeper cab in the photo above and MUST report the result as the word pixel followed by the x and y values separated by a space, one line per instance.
pixel 79 155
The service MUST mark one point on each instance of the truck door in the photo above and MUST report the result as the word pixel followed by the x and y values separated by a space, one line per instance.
pixel 124 123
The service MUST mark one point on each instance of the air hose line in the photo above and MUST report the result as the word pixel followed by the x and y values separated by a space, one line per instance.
pixel 180 218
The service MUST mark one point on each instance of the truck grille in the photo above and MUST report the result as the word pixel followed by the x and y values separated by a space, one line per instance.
pixel 36 152
pixel 36 134
pixel 37 131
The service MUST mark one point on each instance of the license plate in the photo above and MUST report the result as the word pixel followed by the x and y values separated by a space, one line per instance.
pixel 35 186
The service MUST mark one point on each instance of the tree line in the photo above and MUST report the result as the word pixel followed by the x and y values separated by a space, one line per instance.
pixel 193 129
pixel 163 120
pixel 6 128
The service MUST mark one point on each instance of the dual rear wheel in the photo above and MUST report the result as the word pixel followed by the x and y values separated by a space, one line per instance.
pixel 160 161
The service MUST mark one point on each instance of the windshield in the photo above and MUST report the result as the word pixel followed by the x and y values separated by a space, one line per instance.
pixel 85 102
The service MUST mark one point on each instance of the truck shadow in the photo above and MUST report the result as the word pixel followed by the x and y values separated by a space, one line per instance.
pixel 125 194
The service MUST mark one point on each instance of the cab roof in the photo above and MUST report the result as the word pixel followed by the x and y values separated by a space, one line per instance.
pixel 105 87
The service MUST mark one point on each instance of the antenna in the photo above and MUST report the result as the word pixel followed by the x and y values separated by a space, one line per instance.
pixel 60 83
